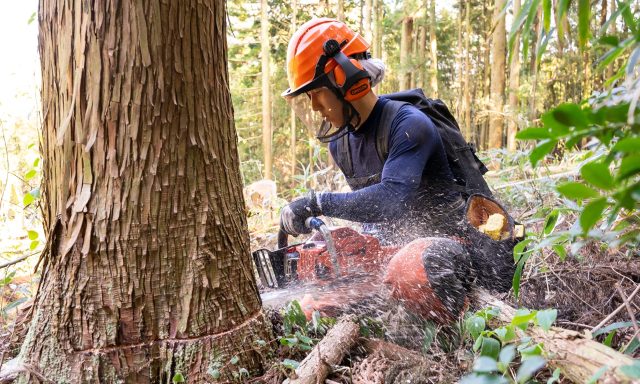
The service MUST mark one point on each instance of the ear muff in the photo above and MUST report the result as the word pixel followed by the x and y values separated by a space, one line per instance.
pixel 356 91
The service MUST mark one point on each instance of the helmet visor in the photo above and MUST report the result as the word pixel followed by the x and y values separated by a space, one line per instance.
pixel 313 120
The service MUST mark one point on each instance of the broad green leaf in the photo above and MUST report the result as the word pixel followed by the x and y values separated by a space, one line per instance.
pixel 529 367
pixel 629 166
pixel 178 378
pixel 234 360
pixel 584 15
pixel 485 364
pixel 627 144
pixel 30 175
pixel 611 40
pixel 550 222
pixel 546 318
pixel 597 174
pixel 591 213
pixel 32 234
pixel 576 191
pixel 533 133
pixel 507 354
pixel 555 128
pixel 506 333
pixel 522 318
pixel 555 377
pixel 490 347
pixel 541 150
pixel 570 115
pixel 291 364
pixel 632 370
pixel 27 199
pixel 613 53
pixel 33 245
pixel 36 162
pixel 528 352
pixel 560 251
pixel 475 325
pixel 627 16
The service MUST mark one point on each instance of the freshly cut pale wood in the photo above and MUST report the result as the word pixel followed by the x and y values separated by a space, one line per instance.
pixel 576 354
pixel 327 353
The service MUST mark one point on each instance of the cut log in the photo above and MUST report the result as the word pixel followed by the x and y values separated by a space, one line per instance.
pixel 576 354
pixel 327 353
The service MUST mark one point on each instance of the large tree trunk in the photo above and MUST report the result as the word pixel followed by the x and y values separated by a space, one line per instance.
pixel 460 56
pixel 470 134
pixel 498 43
pixel 266 89
pixel 514 84
pixel 292 138
pixel 434 49
pixel 147 270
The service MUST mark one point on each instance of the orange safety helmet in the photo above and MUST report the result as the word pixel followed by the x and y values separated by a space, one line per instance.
pixel 324 53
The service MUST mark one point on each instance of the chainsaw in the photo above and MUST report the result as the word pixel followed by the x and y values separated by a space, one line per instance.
pixel 327 255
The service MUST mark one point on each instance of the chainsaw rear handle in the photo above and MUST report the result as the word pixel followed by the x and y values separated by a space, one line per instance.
pixel 311 223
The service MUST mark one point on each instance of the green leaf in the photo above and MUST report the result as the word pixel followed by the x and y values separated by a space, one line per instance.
pixel 546 11
pixel 541 150
pixel 627 144
pixel 530 351
pixel 482 378
pixel 576 191
pixel 506 333
pixel 555 377
pixel 555 128
pixel 632 347
pixel 30 175
pixel 178 378
pixel 591 213
pixel 34 245
pixel 613 53
pixel 546 318
pixel 490 347
pixel 533 133
pixel 627 16
pixel 36 162
pixel 507 354
pixel 596 376
pixel 485 364
pixel 571 115
pixel 529 367
pixel 632 370
pixel 291 364
pixel 607 340
pixel 31 18
pixel 234 360
pixel 32 235
pixel 584 15
pixel 522 318
pixel 611 40
pixel 475 325
pixel 612 327
pixel 560 251
pixel 304 339
pixel 597 174
pixel 550 222
pixel 629 166
pixel 27 199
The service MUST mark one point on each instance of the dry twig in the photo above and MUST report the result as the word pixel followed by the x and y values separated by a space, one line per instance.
pixel 612 314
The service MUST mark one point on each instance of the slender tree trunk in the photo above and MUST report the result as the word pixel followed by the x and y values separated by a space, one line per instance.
pixel 461 57
pixel 467 74
pixel 340 13
pixel 415 40
pixel 146 271
pixel 614 31
pixel 423 70
pixel 486 90
pixel 533 69
pixel 292 135
pixel 266 90
pixel 367 20
pixel 514 84
pixel 377 36
pixel 405 52
pixel 496 119
pixel 434 49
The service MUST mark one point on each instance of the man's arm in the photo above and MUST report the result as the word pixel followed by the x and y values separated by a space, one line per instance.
pixel 413 139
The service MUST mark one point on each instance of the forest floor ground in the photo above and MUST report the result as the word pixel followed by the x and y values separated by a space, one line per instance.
pixel 584 286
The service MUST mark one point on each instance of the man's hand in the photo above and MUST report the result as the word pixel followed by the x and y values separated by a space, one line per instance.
pixel 294 215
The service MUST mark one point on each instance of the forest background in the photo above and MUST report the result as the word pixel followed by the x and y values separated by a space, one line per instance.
pixel 562 73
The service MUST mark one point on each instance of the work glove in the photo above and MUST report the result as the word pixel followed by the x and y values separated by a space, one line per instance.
pixel 294 215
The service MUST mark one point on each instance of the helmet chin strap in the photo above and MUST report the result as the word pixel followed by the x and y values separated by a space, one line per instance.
pixel 351 118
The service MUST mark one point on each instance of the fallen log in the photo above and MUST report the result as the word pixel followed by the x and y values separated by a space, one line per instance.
pixel 328 352
pixel 576 354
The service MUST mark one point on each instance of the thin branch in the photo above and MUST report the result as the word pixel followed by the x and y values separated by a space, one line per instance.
pixel 625 301
pixel 16 261
pixel 6 154
pixel 612 314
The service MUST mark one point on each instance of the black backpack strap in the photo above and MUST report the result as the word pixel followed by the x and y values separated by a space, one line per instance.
pixel 389 113
pixel 343 156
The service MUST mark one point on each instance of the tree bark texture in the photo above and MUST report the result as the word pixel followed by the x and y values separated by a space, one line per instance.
pixel 368 32
pixel 405 52
pixel 498 43
pixel 514 84
pixel 266 90
pixel 467 75
pixel 147 270
pixel 434 49
pixel 292 139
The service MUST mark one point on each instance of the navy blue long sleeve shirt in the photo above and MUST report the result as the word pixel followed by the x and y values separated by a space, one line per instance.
pixel 416 160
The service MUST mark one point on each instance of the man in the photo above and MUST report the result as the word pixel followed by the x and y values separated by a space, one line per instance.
pixel 409 194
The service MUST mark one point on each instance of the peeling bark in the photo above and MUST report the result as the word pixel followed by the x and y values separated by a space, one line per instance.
pixel 147 269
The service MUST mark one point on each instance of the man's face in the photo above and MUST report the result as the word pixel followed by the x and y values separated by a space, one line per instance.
pixel 327 104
